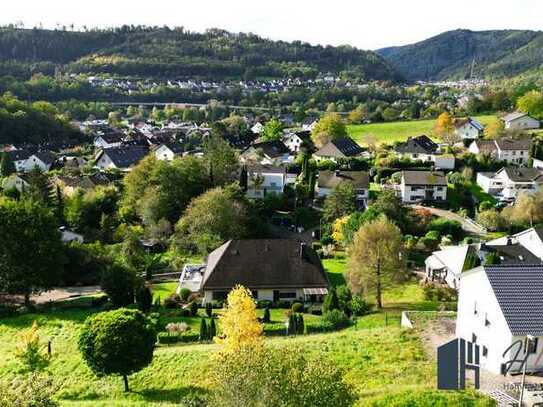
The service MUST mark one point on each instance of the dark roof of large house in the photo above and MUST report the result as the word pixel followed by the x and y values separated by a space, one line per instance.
pixel 331 179
pixel 264 263
pixel 424 178
pixel 340 148
pixel 522 143
pixel 417 145
pixel 514 254
pixel 485 146
pixel 523 174
pixel 518 291
pixel 125 157
pixel 112 137
pixel 176 148
pixel 19 155
pixel 272 149
pixel 45 157
pixel 239 142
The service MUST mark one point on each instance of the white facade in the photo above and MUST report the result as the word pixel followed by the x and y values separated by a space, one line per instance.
pixel 105 163
pixel 33 161
pixel 480 317
pixel 14 181
pixel 501 186
pixel 99 142
pixel 417 193
pixel 524 122
pixel 293 142
pixel 511 156
pixel 164 153
pixel 257 128
pixel 290 295
pixel 468 131
pixel 272 183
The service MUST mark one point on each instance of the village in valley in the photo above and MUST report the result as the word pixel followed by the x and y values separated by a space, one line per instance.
pixel 265 232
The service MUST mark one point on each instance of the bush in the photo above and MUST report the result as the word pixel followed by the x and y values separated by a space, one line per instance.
pixel 423 398
pixel 34 390
pixel 297 307
pixel 204 336
pixel 359 306
pixel 184 294
pixel 281 304
pixel 217 304
pixel 173 301
pixel 194 308
pixel 331 302
pixel 438 293
pixel 336 318
pixel 447 227
pixel 99 301
pixel 266 319
pixel 144 298
pixel 264 304
pixel 119 283
pixel 209 310
pixel 165 338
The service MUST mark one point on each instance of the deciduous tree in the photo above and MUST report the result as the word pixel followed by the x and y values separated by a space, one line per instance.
pixel 444 128
pixel 330 127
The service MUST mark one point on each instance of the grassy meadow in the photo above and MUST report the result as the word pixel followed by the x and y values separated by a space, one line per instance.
pixel 379 358
pixel 398 131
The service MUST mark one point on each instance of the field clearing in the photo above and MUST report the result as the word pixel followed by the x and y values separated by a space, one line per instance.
pixel 398 131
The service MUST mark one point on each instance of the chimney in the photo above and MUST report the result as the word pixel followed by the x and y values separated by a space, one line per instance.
pixel 509 241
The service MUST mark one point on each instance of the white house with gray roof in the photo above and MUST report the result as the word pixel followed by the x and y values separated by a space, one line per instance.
pixel 520 121
pixel 507 183
pixel 417 186
pixel 498 306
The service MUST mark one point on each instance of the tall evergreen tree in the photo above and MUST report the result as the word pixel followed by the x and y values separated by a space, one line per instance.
pixel 204 336
pixel 212 329
pixel 7 167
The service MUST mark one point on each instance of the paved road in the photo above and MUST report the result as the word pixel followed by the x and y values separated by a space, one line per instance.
pixel 467 224
pixel 66 293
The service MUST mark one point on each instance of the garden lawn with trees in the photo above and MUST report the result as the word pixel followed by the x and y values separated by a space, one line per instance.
pixel 398 131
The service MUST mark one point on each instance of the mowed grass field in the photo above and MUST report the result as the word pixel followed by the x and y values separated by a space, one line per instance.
pixel 398 131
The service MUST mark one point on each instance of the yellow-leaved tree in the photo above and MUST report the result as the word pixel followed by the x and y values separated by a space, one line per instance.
pixel 239 324
pixel 444 128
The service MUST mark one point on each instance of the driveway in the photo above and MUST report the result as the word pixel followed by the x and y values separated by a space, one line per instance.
pixel 65 293
pixel 468 225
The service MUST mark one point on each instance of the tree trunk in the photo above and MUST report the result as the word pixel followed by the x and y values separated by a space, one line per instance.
pixel 126 388
pixel 27 299
pixel 378 284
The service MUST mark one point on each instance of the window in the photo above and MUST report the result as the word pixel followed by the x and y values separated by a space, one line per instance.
pixel 473 338
pixel 475 308
pixel 533 346
pixel 287 295
pixel 485 351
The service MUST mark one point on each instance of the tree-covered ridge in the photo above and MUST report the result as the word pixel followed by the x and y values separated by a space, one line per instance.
pixel 153 51
pixel 453 54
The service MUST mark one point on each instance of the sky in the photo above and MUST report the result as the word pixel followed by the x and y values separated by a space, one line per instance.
pixel 361 23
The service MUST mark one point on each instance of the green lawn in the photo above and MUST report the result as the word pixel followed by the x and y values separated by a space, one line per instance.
pixel 164 290
pixel 335 268
pixel 397 131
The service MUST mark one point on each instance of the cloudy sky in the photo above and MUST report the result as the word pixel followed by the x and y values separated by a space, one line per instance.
pixel 361 23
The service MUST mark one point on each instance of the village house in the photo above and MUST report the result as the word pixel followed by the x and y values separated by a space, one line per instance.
pixel 417 186
pixel 267 153
pixel 468 128
pixel 19 158
pixel 309 124
pixel 257 128
pixel 513 151
pixel 70 184
pixel 447 264
pixel 273 269
pixel 42 160
pixel 267 179
pixel 15 181
pixel 295 140
pixel 499 305
pixel 520 121
pixel 168 151
pixel 338 149
pixel 328 180
pixel 108 140
pixel 424 149
pixel 122 158
pixel 507 183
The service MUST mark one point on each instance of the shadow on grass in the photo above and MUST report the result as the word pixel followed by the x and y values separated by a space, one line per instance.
pixel 189 394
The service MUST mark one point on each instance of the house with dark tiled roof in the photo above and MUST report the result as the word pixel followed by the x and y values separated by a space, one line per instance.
pixel 272 152
pixel 19 157
pixel 122 158
pixel 108 140
pixel 168 151
pixel 425 149
pixel 329 180
pixel 507 183
pixel 501 306
pixel 41 159
pixel 263 180
pixel 273 269
pixel 337 149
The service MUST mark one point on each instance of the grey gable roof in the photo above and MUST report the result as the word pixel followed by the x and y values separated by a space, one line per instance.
pixel 264 263
pixel 518 291
pixel 523 174
pixel 424 178
pixel 331 179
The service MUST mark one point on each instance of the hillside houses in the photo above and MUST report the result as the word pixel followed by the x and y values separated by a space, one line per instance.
pixel 121 158
pixel 424 149
pixel 520 121
pixel 267 179
pixel 273 269
pixel 329 180
pixel 514 151
pixel 418 186
pixel 267 153
pixel 468 128
pixel 507 183
pixel 338 149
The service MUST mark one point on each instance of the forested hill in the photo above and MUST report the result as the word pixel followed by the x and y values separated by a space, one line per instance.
pixel 175 53
pixel 451 55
